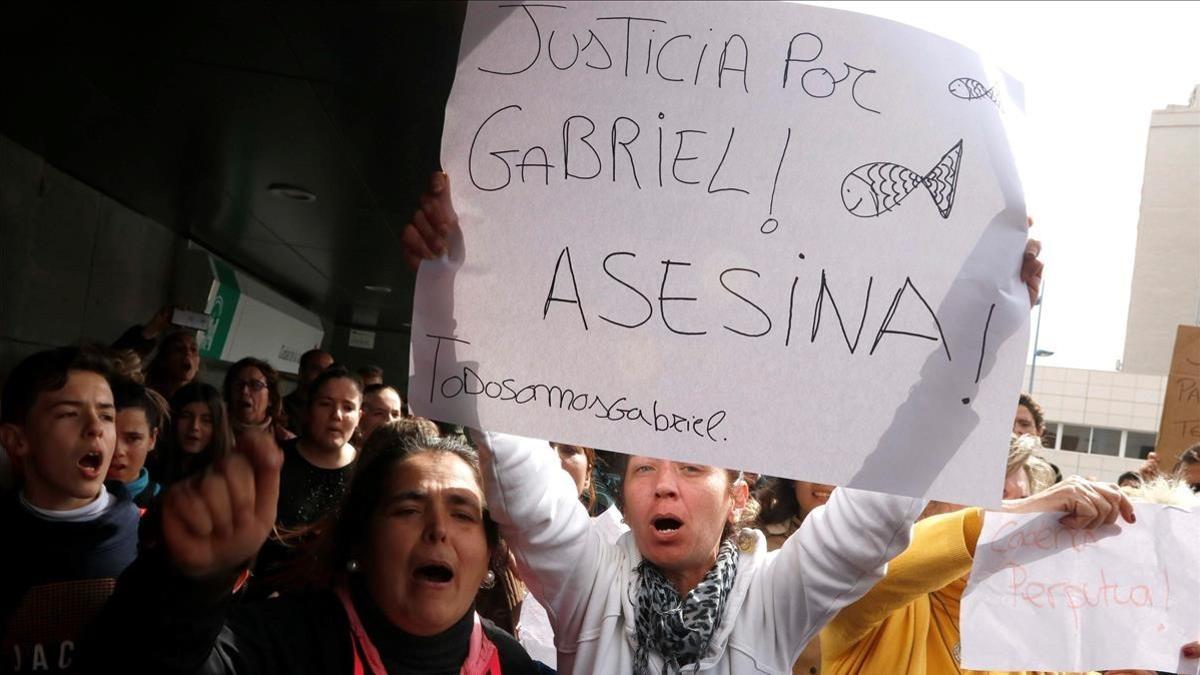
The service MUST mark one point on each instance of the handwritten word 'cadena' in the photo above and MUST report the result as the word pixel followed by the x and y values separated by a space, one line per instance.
pixel 650 45
pixel 1082 595
pixel 1049 537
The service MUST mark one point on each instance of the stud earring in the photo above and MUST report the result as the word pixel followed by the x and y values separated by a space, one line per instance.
pixel 352 566
pixel 489 581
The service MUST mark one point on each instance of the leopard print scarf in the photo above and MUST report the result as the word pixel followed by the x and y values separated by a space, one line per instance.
pixel 680 629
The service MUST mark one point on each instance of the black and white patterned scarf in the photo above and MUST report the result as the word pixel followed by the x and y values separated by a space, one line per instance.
pixel 680 629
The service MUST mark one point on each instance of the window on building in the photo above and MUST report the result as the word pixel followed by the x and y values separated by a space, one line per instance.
pixel 1051 435
pixel 1106 442
pixel 1075 438
pixel 1138 444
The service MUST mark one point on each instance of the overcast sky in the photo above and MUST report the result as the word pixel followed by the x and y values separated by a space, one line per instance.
pixel 1093 73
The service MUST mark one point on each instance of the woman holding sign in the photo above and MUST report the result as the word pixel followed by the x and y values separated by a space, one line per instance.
pixel 687 588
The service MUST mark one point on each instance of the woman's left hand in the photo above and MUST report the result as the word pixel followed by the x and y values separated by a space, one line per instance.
pixel 1031 269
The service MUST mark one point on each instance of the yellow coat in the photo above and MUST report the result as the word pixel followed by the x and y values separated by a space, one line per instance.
pixel 908 623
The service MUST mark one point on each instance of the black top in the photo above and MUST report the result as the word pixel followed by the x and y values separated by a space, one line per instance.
pixel 307 492
pixel 186 626
pixel 293 410
pixel 55 576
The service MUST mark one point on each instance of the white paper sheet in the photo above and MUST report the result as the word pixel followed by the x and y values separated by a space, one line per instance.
pixel 773 237
pixel 1043 597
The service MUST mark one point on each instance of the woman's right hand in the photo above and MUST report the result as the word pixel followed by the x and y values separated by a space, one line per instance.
pixel 159 323
pixel 433 225
pixel 217 521
pixel 1088 504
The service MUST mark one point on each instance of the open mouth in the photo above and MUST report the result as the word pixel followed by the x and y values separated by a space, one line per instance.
pixel 91 462
pixel 667 524
pixel 435 573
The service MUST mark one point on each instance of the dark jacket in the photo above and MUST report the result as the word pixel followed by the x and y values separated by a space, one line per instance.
pixel 55 576
pixel 294 406
pixel 188 627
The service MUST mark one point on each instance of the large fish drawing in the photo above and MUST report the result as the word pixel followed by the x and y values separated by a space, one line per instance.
pixel 876 188
pixel 969 90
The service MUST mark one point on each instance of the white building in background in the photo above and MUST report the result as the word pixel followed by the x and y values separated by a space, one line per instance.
pixel 1166 270
pixel 1100 424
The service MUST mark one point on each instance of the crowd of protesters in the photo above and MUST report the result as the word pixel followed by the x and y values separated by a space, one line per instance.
pixel 156 524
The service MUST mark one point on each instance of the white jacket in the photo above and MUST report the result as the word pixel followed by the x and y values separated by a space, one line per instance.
pixel 778 602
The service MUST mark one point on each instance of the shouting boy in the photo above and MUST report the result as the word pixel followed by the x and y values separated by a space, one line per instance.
pixel 69 534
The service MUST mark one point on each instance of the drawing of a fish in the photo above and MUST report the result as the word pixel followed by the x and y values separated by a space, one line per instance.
pixel 876 188
pixel 970 90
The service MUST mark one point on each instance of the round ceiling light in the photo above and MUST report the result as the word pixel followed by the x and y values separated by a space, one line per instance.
pixel 292 192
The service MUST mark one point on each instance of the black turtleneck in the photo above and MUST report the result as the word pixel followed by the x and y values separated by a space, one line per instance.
pixel 403 652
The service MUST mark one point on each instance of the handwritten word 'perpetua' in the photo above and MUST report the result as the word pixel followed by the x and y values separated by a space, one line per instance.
pixel 1081 595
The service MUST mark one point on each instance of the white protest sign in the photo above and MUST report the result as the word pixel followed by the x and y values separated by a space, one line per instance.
pixel 766 236
pixel 1044 597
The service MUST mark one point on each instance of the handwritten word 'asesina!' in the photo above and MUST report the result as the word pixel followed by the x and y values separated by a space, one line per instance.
pixel 669 303
pixel 468 382
pixel 629 44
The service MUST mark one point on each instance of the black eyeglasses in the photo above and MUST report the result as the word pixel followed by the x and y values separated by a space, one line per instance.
pixel 254 385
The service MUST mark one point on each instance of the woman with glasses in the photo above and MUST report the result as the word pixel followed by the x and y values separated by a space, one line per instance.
pixel 252 397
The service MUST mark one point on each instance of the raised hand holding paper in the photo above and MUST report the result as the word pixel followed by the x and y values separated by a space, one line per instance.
pixel 1045 597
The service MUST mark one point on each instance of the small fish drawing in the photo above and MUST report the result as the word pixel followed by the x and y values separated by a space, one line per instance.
pixel 876 188
pixel 970 90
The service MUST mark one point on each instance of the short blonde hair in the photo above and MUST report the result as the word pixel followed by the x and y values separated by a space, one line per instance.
pixel 1022 454
pixel 127 364
pixel 1167 491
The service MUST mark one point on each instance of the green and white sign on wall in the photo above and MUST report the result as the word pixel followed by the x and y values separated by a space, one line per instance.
pixel 222 306
pixel 247 320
